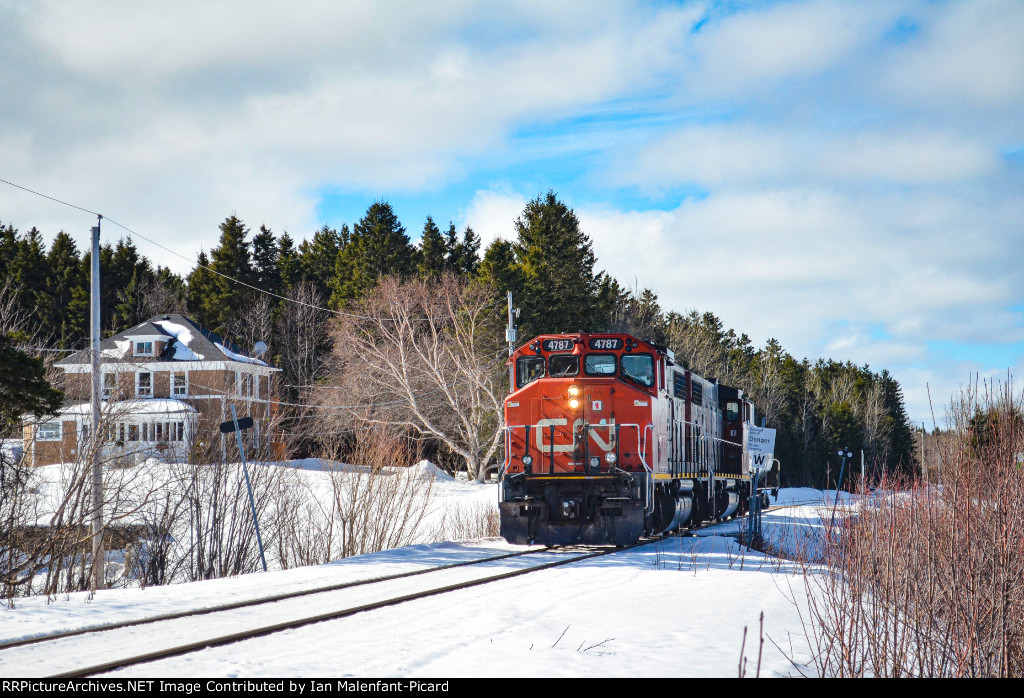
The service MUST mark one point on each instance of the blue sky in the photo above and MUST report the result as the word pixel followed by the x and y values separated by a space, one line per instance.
pixel 844 176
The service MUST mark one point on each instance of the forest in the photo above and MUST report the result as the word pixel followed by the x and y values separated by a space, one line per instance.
pixel 257 285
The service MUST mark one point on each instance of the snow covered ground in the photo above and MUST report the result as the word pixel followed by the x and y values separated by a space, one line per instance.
pixel 677 607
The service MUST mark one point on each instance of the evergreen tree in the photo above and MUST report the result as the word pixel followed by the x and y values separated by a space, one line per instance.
pixel 500 271
pixel 287 262
pixel 265 255
pixel 59 317
pixel 231 258
pixel 557 262
pixel 378 247
pixel 23 387
pixel 201 286
pixel 29 271
pixel 317 258
pixel 433 251
pixel 8 249
pixel 463 257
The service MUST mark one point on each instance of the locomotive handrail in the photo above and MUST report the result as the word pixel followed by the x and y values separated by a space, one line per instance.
pixel 642 443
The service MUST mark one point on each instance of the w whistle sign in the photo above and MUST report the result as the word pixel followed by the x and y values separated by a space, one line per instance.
pixel 760 461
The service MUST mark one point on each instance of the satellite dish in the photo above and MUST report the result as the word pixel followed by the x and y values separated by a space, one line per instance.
pixel 260 349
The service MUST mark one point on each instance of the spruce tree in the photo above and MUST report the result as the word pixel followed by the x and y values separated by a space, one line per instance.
pixel 378 247
pixel 317 259
pixel 58 315
pixel 231 258
pixel 432 251
pixel 500 270
pixel 462 255
pixel 23 387
pixel 287 262
pixel 560 289
pixel 201 287
pixel 265 255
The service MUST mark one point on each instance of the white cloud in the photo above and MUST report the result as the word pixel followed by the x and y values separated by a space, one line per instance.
pixel 492 215
pixel 741 154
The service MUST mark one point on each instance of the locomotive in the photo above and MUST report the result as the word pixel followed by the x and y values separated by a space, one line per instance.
pixel 608 439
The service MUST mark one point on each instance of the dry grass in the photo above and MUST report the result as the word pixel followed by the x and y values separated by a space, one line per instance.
pixel 928 579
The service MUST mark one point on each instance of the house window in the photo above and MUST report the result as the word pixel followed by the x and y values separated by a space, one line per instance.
pixel 179 384
pixel 144 386
pixel 245 385
pixel 144 348
pixel 109 385
pixel 50 431
pixel 133 432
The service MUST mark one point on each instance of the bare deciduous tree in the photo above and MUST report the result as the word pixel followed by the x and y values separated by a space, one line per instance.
pixel 426 356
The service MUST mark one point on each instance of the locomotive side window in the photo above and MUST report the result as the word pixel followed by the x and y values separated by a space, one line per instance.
pixel 529 369
pixel 679 385
pixel 599 364
pixel 732 411
pixel 562 365
pixel 698 393
pixel 639 368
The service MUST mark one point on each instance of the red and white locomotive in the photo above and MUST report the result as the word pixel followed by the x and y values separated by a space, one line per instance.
pixel 608 440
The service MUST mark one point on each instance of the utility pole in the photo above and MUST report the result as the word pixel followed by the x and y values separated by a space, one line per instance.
pixel 510 331
pixel 97 581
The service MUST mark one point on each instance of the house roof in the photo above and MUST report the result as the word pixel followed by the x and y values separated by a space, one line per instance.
pixel 187 341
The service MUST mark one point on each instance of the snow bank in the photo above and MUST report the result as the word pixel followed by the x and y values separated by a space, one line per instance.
pixel 425 470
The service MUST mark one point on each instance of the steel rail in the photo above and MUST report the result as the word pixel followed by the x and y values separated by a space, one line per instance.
pixel 333 615
pixel 255 602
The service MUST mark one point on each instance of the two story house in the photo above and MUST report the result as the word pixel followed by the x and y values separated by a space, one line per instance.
pixel 167 385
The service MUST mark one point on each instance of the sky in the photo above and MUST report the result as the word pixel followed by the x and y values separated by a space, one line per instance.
pixel 846 177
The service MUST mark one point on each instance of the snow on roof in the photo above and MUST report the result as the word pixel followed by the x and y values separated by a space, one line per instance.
pixel 134 407
pixel 182 351
pixel 238 357
pixel 121 349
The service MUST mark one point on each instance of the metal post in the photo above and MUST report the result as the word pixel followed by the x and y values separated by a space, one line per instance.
pixel 248 485
pixel 97 581
pixel 842 468
pixel 510 331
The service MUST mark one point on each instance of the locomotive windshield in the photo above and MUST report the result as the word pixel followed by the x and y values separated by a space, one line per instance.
pixel 529 369
pixel 639 368
pixel 599 364
pixel 562 365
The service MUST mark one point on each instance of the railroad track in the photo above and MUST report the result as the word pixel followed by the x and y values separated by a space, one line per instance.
pixel 87 651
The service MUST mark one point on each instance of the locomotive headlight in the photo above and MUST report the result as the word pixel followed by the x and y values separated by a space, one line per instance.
pixel 527 459
pixel 574 391
pixel 609 458
pixel 574 403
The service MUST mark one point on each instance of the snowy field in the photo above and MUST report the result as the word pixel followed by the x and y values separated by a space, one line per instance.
pixel 677 607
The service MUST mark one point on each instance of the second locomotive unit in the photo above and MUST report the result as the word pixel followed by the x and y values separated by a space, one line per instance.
pixel 608 440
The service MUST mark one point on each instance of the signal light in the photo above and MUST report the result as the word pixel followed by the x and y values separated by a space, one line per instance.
pixel 527 460
pixel 574 403
pixel 574 390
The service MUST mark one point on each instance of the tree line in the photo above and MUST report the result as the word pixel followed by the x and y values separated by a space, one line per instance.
pixel 818 406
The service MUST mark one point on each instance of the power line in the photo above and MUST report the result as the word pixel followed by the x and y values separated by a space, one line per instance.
pixel 211 269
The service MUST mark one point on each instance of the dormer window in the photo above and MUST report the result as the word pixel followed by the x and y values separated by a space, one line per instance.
pixel 143 348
